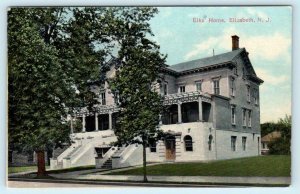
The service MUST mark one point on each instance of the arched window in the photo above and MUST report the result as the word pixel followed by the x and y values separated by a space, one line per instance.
pixel 210 138
pixel 188 142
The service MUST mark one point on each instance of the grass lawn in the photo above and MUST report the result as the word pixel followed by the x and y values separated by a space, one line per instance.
pixel 71 169
pixel 34 168
pixel 279 165
pixel 17 169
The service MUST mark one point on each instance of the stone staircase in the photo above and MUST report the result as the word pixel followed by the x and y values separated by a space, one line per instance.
pixel 72 152
pixel 107 164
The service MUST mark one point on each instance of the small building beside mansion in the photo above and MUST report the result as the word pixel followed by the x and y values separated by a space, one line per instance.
pixel 213 113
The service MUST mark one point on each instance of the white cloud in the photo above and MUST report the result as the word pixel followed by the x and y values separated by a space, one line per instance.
pixel 255 12
pixel 204 48
pixel 268 47
pixel 269 78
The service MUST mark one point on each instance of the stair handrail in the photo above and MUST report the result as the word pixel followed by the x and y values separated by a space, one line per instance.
pixel 82 149
pixel 77 148
pixel 65 153
pixel 126 152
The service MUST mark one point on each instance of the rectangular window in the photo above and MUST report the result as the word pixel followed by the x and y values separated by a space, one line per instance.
pixel 244 140
pixel 256 96
pixel 249 118
pixel 248 94
pixel 116 98
pixel 199 86
pixel 232 86
pixel 233 114
pixel 244 73
pixel 152 145
pixel 233 143
pixel 244 117
pixel 235 71
pixel 102 96
pixel 182 89
pixel 216 86
pixel 165 89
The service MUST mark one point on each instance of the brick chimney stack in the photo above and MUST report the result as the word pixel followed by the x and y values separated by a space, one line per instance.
pixel 235 42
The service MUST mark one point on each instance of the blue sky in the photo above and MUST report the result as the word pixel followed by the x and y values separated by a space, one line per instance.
pixel 268 44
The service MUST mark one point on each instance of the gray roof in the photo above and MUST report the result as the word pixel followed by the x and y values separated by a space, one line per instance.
pixel 198 63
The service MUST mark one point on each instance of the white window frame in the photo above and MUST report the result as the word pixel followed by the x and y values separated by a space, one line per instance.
pixel 249 118
pixel 248 93
pixel 216 87
pixel 244 143
pixel 256 96
pixel 233 114
pixel 198 83
pixel 232 86
pixel 244 114
pixel 233 143
pixel 180 89
pixel 103 97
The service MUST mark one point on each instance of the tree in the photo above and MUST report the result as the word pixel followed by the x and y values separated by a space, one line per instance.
pixel 267 128
pixel 282 145
pixel 52 61
pixel 140 64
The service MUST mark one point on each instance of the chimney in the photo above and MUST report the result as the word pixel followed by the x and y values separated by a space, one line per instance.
pixel 235 42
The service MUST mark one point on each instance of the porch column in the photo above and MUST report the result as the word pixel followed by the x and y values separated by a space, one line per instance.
pixel 96 122
pixel 72 128
pixel 83 123
pixel 110 120
pixel 200 108
pixel 179 112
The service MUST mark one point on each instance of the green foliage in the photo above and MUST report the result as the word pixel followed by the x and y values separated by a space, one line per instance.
pixel 282 145
pixel 267 128
pixel 53 58
pixel 37 85
pixel 134 83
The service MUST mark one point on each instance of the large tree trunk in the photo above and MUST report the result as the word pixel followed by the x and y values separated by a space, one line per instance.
pixel 144 162
pixel 41 163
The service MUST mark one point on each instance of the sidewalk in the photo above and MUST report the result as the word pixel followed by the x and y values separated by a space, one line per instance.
pixel 95 175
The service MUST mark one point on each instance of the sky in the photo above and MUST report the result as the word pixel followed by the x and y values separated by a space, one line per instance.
pixel 268 43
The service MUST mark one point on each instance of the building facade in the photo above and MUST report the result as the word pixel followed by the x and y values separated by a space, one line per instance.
pixel 213 113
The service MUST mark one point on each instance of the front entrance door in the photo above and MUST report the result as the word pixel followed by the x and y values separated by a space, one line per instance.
pixel 170 148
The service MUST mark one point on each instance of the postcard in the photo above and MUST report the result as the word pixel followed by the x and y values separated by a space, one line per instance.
pixel 149 96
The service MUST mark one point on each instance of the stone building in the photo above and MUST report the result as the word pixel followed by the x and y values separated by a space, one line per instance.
pixel 213 113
